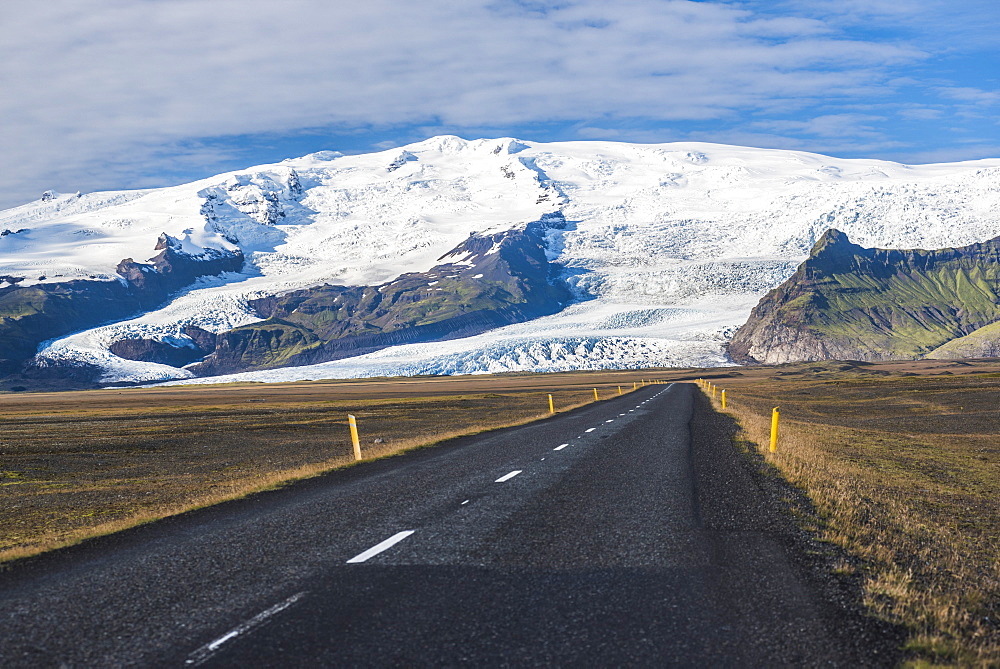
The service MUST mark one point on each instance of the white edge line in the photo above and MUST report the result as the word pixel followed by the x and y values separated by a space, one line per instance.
pixel 507 477
pixel 209 649
pixel 378 548
pixel 560 447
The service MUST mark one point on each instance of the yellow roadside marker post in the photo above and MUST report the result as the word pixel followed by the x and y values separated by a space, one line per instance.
pixel 619 390
pixel 723 399
pixel 354 436
pixel 635 385
pixel 596 398
pixel 774 429
pixel 552 408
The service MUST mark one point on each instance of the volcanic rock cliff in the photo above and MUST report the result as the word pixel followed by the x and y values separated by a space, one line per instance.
pixel 853 303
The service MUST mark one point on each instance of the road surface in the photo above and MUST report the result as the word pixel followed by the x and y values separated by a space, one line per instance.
pixel 604 537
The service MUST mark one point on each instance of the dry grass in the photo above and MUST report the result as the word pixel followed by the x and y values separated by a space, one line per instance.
pixel 83 464
pixel 905 473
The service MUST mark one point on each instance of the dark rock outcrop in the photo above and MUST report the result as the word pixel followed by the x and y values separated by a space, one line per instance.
pixel 172 269
pixel 176 352
pixel 30 315
pixel 490 280
pixel 847 302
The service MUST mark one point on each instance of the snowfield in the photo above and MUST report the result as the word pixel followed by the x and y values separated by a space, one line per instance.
pixel 668 246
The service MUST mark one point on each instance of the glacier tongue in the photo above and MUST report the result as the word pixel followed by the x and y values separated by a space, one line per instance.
pixel 667 247
pixel 588 335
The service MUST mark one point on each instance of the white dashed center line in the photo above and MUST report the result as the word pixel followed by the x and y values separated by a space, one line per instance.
pixel 590 429
pixel 210 649
pixel 610 421
pixel 507 477
pixel 378 548
pixel 560 447
pixel 465 502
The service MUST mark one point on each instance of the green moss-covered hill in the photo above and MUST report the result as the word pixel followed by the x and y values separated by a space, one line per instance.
pixel 853 303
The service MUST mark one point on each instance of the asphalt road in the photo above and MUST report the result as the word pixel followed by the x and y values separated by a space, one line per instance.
pixel 604 537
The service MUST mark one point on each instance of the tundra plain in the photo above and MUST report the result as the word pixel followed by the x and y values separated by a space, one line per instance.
pixel 899 463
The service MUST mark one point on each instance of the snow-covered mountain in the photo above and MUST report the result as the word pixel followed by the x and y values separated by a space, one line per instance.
pixel 666 248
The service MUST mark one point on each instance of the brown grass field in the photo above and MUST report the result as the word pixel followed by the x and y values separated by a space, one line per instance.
pixel 80 464
pixel 902 461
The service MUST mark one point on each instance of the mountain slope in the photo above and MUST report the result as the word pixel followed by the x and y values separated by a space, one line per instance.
pixel 853 303
pixel 666 248
pixel 492 280
pixel 981 343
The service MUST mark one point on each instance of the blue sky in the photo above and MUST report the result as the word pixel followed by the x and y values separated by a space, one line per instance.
pixel 109 94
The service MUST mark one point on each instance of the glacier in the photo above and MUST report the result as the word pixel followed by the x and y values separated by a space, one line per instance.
pixel 667 247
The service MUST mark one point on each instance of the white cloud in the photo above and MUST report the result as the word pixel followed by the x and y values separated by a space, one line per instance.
pixel 863 9
pixel 833 146
pixel 964 25
pixel 974 96
pixel 920 113
pixel 97 89
pixel 983 149
pixel 831 125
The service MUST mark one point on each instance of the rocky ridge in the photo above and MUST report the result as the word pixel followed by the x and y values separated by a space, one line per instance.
pixel 848 302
